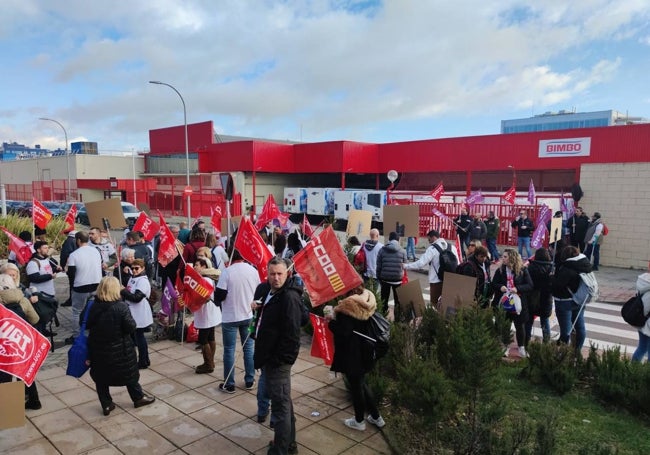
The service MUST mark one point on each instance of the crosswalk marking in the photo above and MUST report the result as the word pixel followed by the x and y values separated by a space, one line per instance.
pixel 603 322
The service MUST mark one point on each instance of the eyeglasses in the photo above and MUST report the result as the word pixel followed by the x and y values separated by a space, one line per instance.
pixel 136 267
pixel 472 244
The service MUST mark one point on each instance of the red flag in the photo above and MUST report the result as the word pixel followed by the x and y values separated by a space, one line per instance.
pixel 252 248
pixel 459 251
pixel 215 218
pixel 22 348
pixel 167 250
pixel 196 289
pixel 40 214
pixel 147 226
pixel 438 191
pixel 305 227
pixel 325 268
pixel 322 343
pixel 270 212
pixel 510 195
pixel 23 250
pixel 70 217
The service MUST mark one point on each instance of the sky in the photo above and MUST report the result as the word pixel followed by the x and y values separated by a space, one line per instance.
pixel 313 70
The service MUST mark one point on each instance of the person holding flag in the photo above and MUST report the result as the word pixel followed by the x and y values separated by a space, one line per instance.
pixel 206 318
pixel 136 296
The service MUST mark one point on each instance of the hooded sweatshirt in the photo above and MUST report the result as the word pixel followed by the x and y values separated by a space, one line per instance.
pixel 567 276
pixel 372 248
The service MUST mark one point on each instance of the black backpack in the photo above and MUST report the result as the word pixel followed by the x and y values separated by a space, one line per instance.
pixel 632 312
pixel 379 332
pixel 448 261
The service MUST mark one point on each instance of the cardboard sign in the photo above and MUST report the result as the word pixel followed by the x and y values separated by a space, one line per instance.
pixel 109 209
pixel 359 223
pixel 403 219
pixel 12 411
pixel 556 230
pixel 457 292
pixel 411 300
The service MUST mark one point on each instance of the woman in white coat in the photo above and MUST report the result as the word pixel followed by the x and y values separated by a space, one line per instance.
pixel 643 348
pixel 136 296
pixel 206 319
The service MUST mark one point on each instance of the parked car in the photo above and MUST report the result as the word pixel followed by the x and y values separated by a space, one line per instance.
pixel 130 211
pixel 53 207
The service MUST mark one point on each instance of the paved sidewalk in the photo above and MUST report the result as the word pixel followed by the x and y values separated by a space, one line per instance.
pixel 190 414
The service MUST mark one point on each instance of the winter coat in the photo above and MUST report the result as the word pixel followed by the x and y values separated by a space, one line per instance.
pixel 523 283
pixel 209 315
pixel 520 223
pixel 431 258
pixel 477 230
pixel 578 226
pixel 353 356
pixel 16 296
pixel 643 288
pixel 540 302
pixel 110 347
pixel 567 276
pixel 277 328
pixel 389 262
pixel 492 226
pixel 472 268
pixel 69 245
pixel 463 223
pixel 595 232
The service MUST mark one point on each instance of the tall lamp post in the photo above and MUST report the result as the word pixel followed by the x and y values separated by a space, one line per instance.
pixel 67 155
pixel 188 188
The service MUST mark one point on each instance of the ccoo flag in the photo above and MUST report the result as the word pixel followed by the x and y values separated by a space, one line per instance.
pixel 325 268
pixel 531 192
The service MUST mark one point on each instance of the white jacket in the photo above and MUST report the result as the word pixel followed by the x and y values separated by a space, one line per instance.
pixel 430 257
pixel 643 287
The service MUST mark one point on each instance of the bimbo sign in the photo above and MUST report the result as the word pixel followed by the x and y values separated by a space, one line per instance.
pixel 580 146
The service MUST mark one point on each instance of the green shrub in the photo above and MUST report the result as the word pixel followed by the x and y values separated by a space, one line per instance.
pixel 552 364
pixel 17 224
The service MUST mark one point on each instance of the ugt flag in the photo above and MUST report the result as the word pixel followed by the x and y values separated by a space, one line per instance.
pixel 305 227
pixel 147 226
pixel 252 248
pixel 215 218
pixel 19 247
pixel 40 214
pixel 270 212
pixel 167 250
pixel 69 218
pixel 196 290
pixel 322 343
pixel 438 191
pixel 325 268
pixel 510 195
pixel 22 348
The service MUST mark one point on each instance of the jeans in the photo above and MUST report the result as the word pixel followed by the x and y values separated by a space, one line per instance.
pixel 492 248
pixel 544 324
pixel 278 381
pixel 521 243
pixel 143 349
pixel 595 249
pixel 362 398
pixel 410 248
pixel 104 394
pixel 643 349
pixel 229 336
pixel 79 300
pixel 568 313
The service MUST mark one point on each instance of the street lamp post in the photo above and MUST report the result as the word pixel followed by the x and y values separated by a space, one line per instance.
pixel 188 189
pixel 67 155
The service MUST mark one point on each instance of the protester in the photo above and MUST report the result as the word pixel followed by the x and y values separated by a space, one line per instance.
pixel 513 278
pixel 205 253
pixel 643 348
pixel 235 290
pixel 111 351
pixel 477 266
pixel 85 270
pixel 493 227
pixel 525 228
pixel 105 248
pixel 123 270
pixel 293 246
pixel 390 271
pixel 219 255
pixel 410 248
pixel 197 240
pixel 353 355
pixel 578 225
pixel 463 222
pixel 593 239
pixel 565 282
pixel 69 245
pixel 277 342
pixel 206 319
pixel 26 237
pixel 371 247
pixel 540 300
pixel 11 296
pixel 477 229
pixel 136 295
pixel 183 232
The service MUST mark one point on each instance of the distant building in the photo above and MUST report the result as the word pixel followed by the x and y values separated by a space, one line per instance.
pixel 564 120
pixel 15 151
pixel 84 148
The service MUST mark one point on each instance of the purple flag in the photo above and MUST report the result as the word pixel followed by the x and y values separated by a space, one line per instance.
pixel 531 193
pixel 168 298
pixel 544 215
pixel 538 236
pixel 441 215
pixel 475 197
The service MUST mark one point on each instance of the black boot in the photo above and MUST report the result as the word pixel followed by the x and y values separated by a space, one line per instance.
pixel 32 397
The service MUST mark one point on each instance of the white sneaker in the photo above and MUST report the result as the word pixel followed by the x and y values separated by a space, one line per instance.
pixel 506 353
pixel 522 352
pixel 352 423
pixel 378 422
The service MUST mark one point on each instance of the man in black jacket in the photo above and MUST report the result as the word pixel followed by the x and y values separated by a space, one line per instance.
pixel 578 225
pixel 525 228
pixel 277 342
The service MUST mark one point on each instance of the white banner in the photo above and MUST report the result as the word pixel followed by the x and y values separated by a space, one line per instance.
pixel 580 146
